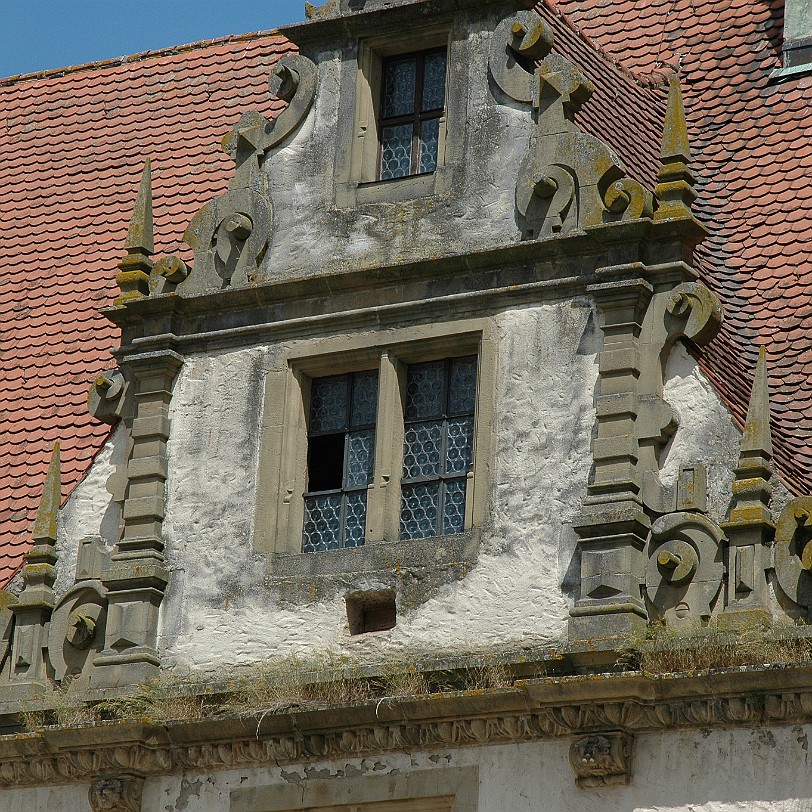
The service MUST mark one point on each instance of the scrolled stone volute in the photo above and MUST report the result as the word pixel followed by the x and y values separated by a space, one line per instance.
pixel 694 312
pixel 109 397
pixel 568 181
pixel 116 794
pixel 685 568
pixel 793 551
pixel 77 628
pixel 515 43
pixel 602 759
pixel 231 234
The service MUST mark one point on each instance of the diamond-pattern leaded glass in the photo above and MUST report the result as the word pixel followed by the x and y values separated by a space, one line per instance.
pixel 342 432
pixel 418 510
pixel 429 144
pixel 437 446
pixel 434 81
pixel 399 88
pixel 396 151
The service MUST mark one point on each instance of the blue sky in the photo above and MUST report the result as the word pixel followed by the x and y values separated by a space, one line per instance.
pixel 39 35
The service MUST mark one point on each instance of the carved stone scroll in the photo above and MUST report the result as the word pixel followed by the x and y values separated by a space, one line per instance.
pixel 793 551
pixel 109 396
pixel 76 633
pixel 685 568
pixel 602 759
pixel 568 180
pixel 515 44
pixel 231 234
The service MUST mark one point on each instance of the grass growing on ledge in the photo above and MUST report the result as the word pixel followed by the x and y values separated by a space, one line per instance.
pixel 664 650
pixel 287 684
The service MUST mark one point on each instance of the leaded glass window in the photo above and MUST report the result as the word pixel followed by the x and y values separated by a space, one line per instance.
pixel 340 458
pixel 412 103
pixel 438 446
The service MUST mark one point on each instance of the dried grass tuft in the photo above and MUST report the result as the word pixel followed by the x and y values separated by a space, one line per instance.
pixel 664 650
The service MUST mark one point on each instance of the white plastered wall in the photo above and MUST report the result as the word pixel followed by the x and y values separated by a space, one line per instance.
pixel 762 770
pixel 219 611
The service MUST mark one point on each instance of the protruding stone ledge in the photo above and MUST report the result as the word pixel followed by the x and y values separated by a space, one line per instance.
pixel 601 704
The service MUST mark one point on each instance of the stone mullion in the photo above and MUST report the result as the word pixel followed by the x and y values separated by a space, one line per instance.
pixel 613 525
pixel 383 497
pixel 137 577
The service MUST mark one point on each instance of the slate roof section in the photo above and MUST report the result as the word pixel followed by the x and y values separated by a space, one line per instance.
pixel 72 148
pixel 751 138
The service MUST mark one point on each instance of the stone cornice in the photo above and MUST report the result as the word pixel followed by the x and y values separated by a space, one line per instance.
pixel 538 270
pixel 532 710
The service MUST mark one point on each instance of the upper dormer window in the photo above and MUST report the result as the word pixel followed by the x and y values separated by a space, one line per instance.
pixel 412 106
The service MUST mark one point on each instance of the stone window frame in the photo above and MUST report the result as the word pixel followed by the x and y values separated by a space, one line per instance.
pixel 282 475
pixel 357 160
pixel 455 789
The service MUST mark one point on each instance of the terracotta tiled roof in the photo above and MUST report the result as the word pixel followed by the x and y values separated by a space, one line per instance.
pixel 74 143
pixel 752 144
pixel 72 148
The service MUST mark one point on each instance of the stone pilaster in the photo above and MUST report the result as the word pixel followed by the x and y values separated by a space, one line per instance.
pixel 613 525
pixel 137 576
pixel 33 610
pixel 749 527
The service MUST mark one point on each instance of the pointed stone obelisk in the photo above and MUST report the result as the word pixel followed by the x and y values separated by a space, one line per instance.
pixel 675 181
pixel 749 527
pixel 36 602
pixel 134 269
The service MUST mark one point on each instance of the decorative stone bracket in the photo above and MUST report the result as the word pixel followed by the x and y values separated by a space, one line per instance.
pixel 602 759
pixel 116 794
pixel 568 180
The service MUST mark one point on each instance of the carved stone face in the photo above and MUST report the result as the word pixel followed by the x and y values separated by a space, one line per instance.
pixel 106 794
pixel 596 752
pixel 116 795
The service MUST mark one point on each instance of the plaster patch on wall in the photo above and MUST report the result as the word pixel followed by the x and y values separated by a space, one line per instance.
pixel 706 430
pixel 90 510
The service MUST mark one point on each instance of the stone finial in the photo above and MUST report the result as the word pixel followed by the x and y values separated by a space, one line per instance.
pixel 36 602
pixel 48 513
pixel 751 490
pixel 757 444
pixel 39 573
pixel 136 266
pixel 749 526
pixel 675 181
